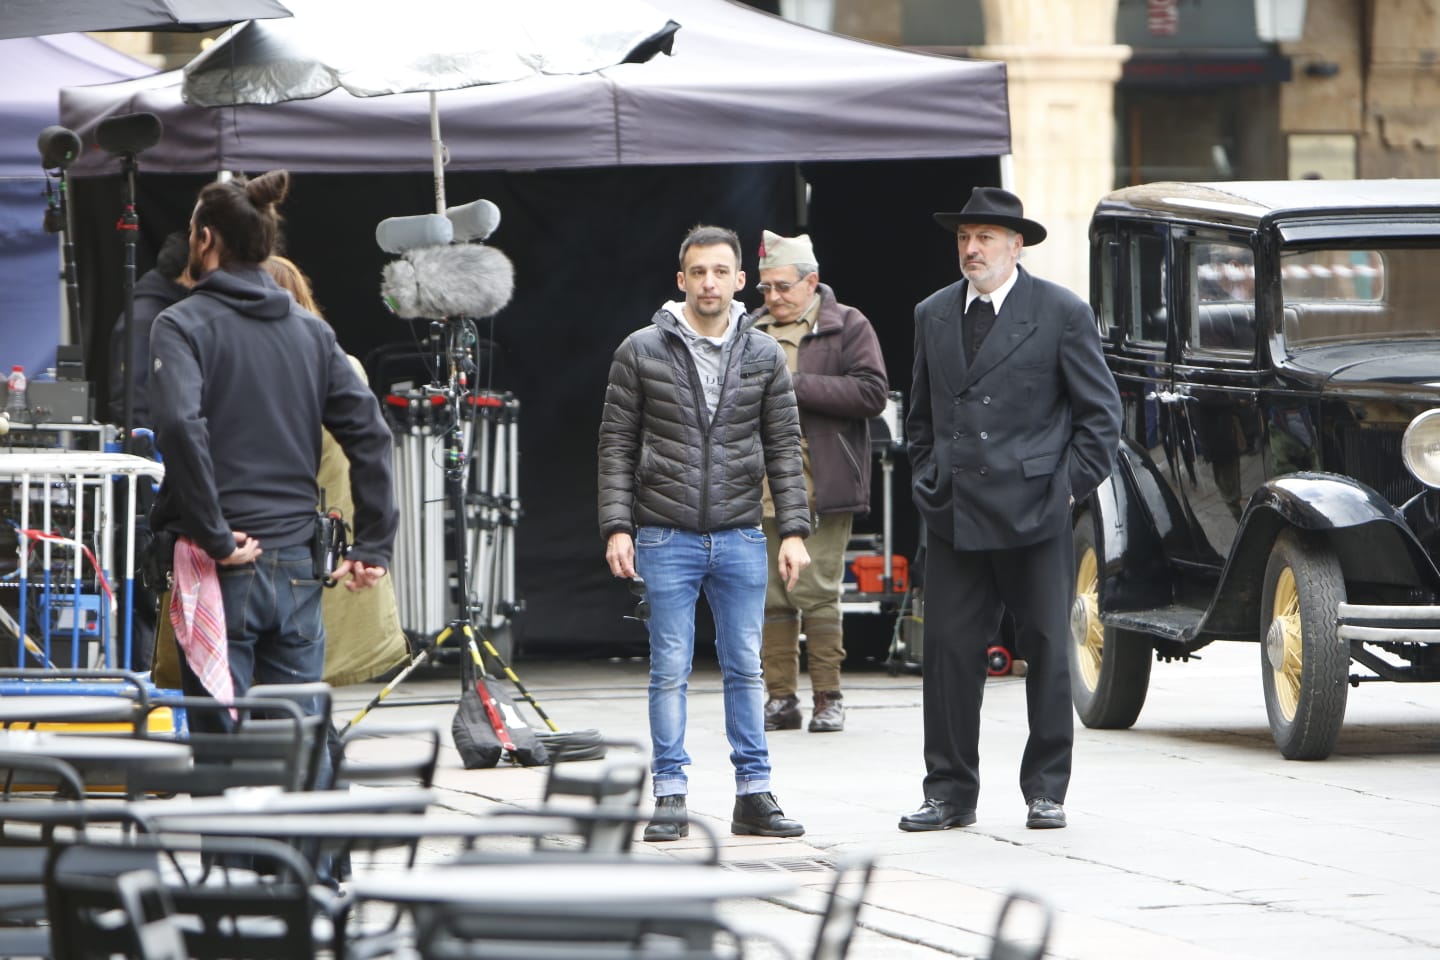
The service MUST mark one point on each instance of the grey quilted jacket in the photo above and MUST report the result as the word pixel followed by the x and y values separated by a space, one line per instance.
pixel 661 464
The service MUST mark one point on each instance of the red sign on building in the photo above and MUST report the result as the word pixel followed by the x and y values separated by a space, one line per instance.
pixel 1163 17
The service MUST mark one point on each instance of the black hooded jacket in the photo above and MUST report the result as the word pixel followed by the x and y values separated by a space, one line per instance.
pixel 153 293
pixel 241 381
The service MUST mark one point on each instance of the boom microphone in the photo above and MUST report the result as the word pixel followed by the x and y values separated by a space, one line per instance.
pixel 128 134
pixel 400 234
pixel 59 146
pixel 475 220
pixel 436 283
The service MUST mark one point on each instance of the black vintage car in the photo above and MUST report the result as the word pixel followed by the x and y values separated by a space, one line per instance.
pixel 1277 349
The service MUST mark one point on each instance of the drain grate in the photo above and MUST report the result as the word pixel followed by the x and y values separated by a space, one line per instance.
pixel 787 865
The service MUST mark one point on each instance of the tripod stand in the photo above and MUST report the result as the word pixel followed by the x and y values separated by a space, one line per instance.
pixel 464 440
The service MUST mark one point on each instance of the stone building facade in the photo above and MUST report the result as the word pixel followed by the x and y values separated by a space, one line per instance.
pixel 1104 93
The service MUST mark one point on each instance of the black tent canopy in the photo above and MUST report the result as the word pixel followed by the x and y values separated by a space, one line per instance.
pixel 741 87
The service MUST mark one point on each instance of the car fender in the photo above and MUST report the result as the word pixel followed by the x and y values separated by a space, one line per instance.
pixel 1128 508
pixel 1367 533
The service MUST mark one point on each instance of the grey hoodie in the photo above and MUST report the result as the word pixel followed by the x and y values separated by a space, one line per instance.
pixel 241 381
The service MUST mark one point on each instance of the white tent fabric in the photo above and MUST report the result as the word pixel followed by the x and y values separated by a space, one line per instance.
pixel 742 86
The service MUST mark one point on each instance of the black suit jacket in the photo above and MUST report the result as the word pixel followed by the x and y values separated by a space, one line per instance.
pixel 999 447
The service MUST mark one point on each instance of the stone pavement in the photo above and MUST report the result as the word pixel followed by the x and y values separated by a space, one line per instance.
pixel 1190 838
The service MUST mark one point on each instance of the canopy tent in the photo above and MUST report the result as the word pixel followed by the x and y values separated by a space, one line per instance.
pixel 753 123
pixel 742 86
pixel 32 71
pixel 34 18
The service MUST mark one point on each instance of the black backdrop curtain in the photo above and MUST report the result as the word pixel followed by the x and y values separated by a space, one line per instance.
pixel 595 256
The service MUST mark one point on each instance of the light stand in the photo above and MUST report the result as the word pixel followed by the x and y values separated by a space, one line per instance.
pixel 126 137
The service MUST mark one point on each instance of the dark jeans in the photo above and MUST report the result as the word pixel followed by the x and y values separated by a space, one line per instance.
pixel 273 626
pixel 275 634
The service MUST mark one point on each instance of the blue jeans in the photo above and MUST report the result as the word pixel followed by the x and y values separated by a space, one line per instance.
pixel 731 567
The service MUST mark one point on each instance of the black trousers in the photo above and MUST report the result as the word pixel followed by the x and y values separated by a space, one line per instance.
pixel 966 594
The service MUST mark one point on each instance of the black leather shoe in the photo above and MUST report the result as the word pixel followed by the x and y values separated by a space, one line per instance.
pixel 937 815
pixel 1045 814
pixel 758 815
pixel 669 821
pixel 782 713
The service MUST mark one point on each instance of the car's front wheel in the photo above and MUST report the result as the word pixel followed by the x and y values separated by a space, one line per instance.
pixel 1304 663
pixel 1109 668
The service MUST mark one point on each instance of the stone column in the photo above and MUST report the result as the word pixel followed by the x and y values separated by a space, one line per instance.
pixel 1062 62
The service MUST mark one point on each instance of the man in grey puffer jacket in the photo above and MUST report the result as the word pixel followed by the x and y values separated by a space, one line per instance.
pixel 700 409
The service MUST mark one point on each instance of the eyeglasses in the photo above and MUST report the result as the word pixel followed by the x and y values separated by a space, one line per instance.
pixel 779 286
pixel 641 613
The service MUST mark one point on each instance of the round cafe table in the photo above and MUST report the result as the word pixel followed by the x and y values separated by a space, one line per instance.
pixel 99 759
pixel 570 887
pixel 63 708
pixel 271 803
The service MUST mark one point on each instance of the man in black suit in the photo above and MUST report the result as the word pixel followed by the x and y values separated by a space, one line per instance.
pixel 1014 418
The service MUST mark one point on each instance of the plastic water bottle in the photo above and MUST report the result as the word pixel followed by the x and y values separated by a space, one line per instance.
pixel 16 404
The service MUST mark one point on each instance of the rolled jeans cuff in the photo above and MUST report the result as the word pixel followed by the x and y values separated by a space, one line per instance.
pixel 671 787
pixel 744 788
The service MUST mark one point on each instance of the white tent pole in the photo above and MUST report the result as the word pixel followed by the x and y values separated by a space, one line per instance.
pixel 437 154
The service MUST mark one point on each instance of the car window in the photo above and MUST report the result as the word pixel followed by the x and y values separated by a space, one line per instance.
pixel 1338 294
pixel 1150 318
pixel 1222 296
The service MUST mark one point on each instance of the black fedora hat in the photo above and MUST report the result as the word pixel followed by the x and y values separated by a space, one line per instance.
pixel 1000 207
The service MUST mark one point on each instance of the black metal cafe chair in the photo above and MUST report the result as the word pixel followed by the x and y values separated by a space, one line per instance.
pixel 321 741
pixel 842 907
pixel 100 916
pixel 268 747
pixel 1022 928
pixel 414 765
pixel 271 909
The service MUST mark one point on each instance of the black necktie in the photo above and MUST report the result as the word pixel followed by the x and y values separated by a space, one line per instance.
pixel 976 326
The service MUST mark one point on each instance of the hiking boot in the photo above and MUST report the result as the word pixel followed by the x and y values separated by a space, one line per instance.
pixel 782 713
pixel 669 821
pixel 758 815
pixel 829 715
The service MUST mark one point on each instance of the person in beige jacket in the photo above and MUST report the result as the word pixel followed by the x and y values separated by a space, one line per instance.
pixel 364 637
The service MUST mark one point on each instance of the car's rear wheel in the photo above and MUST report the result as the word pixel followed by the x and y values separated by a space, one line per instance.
pixel 1109 668
pixel 1304 663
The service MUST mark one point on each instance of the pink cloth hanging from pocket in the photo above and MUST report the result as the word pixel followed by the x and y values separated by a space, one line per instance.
pixel 197 612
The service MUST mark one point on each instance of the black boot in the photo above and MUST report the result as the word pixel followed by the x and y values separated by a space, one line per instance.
pixel 782 713
pixel 669 821
pixel 829 715
pixel 757 814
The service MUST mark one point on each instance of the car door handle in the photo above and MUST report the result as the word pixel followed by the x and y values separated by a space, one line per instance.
pixel 1168 396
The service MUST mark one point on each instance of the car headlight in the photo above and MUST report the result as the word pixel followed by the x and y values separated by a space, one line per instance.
pixel 1420 448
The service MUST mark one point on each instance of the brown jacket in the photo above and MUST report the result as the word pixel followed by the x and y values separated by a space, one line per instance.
pixel 839 386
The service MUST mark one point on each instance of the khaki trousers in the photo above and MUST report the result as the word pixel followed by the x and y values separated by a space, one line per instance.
pixel 812 606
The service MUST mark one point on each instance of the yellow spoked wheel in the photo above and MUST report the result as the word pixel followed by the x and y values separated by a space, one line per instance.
pixel 1304 663
pixel 1086 630
pixel 1287 658
pixel 1109 668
